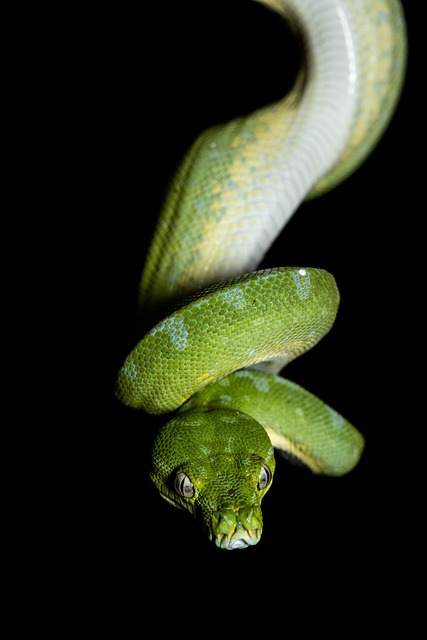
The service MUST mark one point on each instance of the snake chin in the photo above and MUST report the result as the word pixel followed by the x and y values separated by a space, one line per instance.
pixel 241 543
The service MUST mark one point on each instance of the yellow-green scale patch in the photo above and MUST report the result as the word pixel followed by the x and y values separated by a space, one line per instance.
pixel 217 182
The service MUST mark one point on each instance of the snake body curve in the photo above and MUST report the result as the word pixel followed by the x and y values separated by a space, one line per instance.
pixel 227 330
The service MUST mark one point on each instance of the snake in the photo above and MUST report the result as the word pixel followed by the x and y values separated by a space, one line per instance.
pixel 222 328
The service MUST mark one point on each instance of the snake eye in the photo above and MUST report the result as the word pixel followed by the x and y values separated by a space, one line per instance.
pixel 265 477
pixel 184 486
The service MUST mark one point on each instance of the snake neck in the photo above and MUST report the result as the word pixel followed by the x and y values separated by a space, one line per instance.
pixel 241 182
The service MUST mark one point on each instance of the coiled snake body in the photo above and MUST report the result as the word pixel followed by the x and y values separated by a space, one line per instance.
pixel 215 356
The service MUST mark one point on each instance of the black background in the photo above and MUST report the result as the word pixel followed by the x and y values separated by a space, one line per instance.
pixel 147 82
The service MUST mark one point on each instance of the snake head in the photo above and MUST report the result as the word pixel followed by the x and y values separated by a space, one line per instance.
pixel 216 464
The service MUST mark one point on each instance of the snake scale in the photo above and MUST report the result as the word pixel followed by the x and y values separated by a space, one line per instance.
pixel 224 330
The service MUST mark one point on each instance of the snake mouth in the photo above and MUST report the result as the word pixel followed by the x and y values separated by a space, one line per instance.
pixel 238 540
pixel 240 543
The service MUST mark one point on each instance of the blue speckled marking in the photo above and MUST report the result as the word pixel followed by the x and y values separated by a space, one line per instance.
pixel 175 328
pixel 129 369
pixel 302 283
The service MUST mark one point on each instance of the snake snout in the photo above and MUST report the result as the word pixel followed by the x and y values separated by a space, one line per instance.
pixel 237 529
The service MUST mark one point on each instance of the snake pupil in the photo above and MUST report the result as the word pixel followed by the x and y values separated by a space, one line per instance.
pixel 184 486
pixel 264 477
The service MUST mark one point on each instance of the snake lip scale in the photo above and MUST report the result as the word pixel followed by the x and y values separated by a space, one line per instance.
pixel 213 362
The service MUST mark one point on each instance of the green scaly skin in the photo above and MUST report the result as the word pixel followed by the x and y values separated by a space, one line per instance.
pixel 270 316
pixel 214 457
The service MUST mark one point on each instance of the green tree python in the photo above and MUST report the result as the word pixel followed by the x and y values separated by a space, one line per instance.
pixel 223 330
